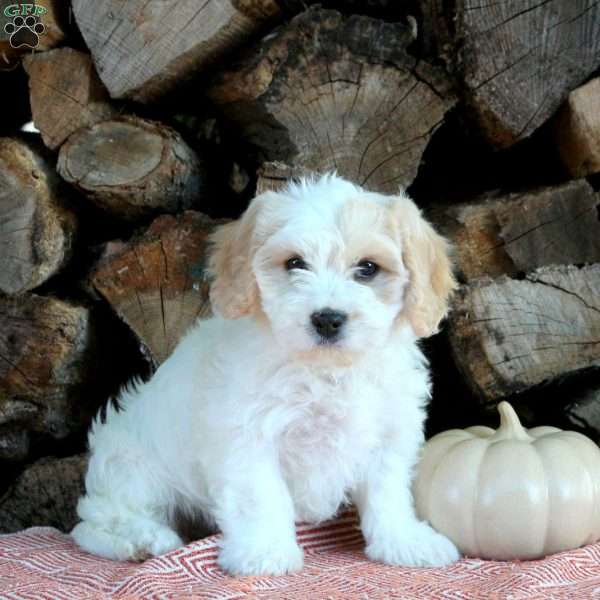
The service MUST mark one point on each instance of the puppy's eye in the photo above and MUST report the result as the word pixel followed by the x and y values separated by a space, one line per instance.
pixel 296 262
pixel 366 270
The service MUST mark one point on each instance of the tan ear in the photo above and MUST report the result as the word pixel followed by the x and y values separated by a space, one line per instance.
pixel 426 256
pixel 234 292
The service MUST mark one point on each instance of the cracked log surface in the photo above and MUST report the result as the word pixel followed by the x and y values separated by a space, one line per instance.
pixel 52 373
pixel 509 335
pixel 143 49
pixel 516 60
pixel 517 233
pixel 578 130
pixel 328 92
pixel 65 94
pixel 156 283
pixel 45 494
pixel 36 227
pixel 132 167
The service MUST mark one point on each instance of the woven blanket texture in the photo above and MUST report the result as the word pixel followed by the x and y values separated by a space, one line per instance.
pixel 43 563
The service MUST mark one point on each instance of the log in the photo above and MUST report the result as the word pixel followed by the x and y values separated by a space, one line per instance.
pixel 384 9
pixel 132 167
pixel 516 60
pixel 272 176
pixel 144 49
pixel 57 24
pixel 36 227
pixel 509 335
pixel 584 412
pixel 578 130
pixel 517 233
pixel 327 92
pixel 157 283
pixel 53 15
pixel 66 94
pixel 44 495
pixel 58 362
pixel 14 444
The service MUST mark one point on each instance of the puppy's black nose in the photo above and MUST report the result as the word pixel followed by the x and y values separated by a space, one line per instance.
pixel 328 322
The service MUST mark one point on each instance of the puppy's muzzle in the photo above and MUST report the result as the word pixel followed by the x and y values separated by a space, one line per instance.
pixel 328 323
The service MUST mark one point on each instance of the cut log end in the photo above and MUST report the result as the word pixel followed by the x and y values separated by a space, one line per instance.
pixel 510 335
pixel 157 283
pixel 65 93
pixel 155 47
pixel 333 93
pixel 516 61
pixel 36 228
pixel 517 233
pixel 132 167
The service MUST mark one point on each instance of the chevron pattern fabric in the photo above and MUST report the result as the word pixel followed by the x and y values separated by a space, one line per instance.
pixel 42 563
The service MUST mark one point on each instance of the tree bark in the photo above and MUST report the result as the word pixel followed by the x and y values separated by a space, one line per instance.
pixel 36 227
pixel 132 167
pixel 515 60
pixel 510 335
pixel 55 369
pixel 65 93
pixel 578 130
pixel 327 92
pixel 517 233
pixel 144 49
pixel 157 282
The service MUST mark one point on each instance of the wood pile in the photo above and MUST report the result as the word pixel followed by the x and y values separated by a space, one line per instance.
pixel 157 121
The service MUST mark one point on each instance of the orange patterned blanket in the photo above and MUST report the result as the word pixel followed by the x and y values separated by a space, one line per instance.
pixel 43 563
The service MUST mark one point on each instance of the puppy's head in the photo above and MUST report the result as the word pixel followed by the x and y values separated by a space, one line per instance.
pixel 335 269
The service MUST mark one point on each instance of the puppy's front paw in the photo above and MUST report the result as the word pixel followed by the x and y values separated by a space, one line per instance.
pixel 261 558
pixel 418 545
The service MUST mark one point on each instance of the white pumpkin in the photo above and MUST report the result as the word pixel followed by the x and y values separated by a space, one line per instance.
pixel 513 493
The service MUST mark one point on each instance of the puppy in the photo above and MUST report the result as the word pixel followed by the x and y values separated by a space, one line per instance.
pixel 307 390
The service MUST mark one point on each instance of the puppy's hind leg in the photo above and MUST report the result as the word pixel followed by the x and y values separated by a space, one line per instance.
pixel 125 513
pixel 126 536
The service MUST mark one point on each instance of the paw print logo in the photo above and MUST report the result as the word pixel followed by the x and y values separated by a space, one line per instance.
pixel 24 31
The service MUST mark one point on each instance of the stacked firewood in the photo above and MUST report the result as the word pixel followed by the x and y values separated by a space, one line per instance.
pixel 159 120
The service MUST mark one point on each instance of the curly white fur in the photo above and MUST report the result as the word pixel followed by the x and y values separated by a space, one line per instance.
pixel 254 421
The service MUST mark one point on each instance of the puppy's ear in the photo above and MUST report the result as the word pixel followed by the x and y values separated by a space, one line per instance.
pixel 426 256
pixel 234 291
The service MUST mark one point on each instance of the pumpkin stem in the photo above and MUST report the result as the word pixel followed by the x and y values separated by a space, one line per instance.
pixel 510 426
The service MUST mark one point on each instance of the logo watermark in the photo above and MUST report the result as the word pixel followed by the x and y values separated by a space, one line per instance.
pixel 25 27
pixel 15 10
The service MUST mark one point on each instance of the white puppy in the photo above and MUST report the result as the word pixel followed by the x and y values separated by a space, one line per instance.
pixel 307 391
